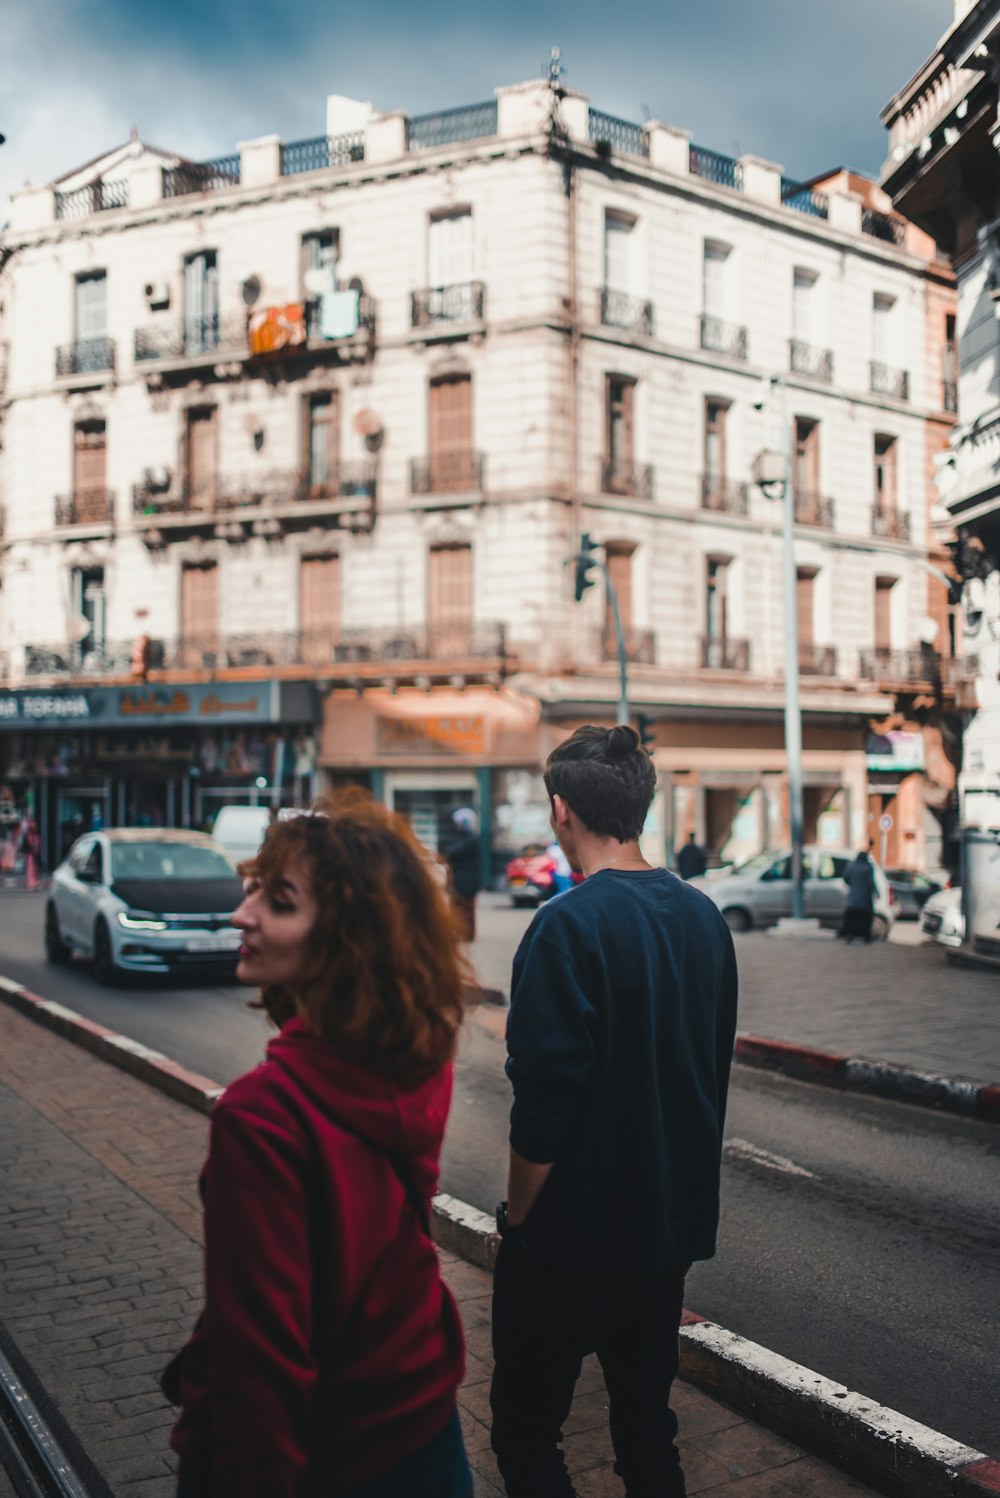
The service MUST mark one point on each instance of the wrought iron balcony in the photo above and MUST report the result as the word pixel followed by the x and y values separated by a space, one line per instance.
pixel 613 134
pixel 85 507
pixel 889 522
pixel 804 358
pixel 459 472
pixel 817 660
pixel 201 176
pixel 881 226
pixel 640 646
pixel 211 337
pixel 725 495
pixel 961 669
pixel 619 310
pixel 724 654
pixel 85 356
pixel 461 303
pixel 719 337
pixel 920 665
pixel 367 318
pixel 887 381
pixel 322 152
pixel 467 122
pixel 712 167
pixel 635 479
pixel 272 488
pixel 95 197
pixel 813 509
pixel 89 658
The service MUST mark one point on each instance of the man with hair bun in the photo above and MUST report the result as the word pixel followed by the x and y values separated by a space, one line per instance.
pixel 620 1039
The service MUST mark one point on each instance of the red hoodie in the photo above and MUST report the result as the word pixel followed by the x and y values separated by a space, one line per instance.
pixel 329 1348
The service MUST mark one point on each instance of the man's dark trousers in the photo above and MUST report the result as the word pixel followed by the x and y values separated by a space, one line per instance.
pixel 546 1320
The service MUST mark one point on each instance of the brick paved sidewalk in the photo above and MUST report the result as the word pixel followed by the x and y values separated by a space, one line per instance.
pixel 100 1281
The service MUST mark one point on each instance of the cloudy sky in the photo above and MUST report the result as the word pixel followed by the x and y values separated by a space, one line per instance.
pixel 800 82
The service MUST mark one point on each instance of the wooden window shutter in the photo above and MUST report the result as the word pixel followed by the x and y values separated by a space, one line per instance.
pixel 883 613
pixel 450 434
pixel 804 595
pixel 449 599
pixel 199 611
pixel 90 471
pixel 201 457
pixel 319 607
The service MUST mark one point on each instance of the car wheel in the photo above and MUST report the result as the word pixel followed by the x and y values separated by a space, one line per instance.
pixel 736 918
pixel 104 967
pixel 56 950
pixel 880 928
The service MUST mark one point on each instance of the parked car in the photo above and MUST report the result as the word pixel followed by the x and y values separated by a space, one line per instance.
pixel 759 891
pixel 240 830
pixel 142 901
pixel 531 876
pixel 910 891
pixel 943 919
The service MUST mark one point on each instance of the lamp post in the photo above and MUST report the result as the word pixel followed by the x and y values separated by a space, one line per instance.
pixel 772 473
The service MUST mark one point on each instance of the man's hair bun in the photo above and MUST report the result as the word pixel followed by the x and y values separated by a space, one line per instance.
pixel 621 742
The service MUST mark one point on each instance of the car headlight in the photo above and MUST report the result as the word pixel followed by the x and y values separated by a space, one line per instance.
pixel 140 922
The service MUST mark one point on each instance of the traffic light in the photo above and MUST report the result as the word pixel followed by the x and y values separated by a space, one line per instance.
pixel 585 564
pixel 644 726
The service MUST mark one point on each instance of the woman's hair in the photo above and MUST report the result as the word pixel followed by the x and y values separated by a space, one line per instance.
pixel 606 777
pixel 385 976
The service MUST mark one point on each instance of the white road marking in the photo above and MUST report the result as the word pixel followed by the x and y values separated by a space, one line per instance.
pixel 742 1149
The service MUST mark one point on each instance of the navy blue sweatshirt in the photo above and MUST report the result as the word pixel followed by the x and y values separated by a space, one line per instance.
pixel 620 1040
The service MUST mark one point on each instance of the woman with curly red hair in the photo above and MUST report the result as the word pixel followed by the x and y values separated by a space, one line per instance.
pixel 329 1350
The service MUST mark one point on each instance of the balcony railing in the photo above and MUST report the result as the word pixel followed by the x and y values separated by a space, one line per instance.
pixel 962 668
pixel 635 479
pixel 727 496
pixel 89 658
pixel 813 509
pixel 640 645
pixel 720 337
pixel 463 302
pixel 86 356
pixel 321 152
pixel 891 523
pixel 95 197
pixel 201 176
pixel 276 487
pixel 950 378
pixel 724 654
pixel 803 199
pixel 881 226
pixel 619 310
pixel 887 381
pixel 907 666
pixel 804 358
pixel 618 135
pixel 817 660
pixel 467 122
pixel 367 319
pixel 712 167
pixel 193 338
pixel 447 473
pixel 85 507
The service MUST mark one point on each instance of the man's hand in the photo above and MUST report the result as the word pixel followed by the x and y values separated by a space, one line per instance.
pixel 525 1180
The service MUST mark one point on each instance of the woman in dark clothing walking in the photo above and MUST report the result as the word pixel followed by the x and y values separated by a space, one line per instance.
pixel 462 855
pixel 329 1351
pixel 859 876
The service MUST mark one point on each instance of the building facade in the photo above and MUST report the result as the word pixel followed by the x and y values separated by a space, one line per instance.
pixel 298 444
pixel 943 171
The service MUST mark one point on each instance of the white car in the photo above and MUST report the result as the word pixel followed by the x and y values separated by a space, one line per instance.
pixel 942 918
pixel 759 892
pixel 144 900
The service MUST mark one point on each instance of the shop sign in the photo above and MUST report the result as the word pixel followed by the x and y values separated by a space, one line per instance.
pixel 896 750
pixel 143 705
pixel 431 736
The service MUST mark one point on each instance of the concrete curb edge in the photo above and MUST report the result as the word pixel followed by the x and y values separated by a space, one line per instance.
pixel 897 1455
pixel 880 1078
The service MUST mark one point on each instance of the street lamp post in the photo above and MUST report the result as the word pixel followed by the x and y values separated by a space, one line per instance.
pixel 773 474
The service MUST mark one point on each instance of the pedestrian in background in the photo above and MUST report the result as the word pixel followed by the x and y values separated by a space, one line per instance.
pixel 620 1039
pixel 462 853
pixel 859 907
pixel 31 849
pixel 692 860
pixel 328 1355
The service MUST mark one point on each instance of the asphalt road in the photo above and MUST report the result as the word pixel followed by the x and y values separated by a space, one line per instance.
pixel 859 1237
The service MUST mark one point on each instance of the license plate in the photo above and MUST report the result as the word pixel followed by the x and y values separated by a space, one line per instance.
pixel 517 883
pixel 228 942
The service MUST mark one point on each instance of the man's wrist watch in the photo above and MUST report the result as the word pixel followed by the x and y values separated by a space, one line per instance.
pixel 503 1226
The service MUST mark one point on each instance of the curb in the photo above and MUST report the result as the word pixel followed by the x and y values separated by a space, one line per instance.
pixel 878 1078
pixel 893 1453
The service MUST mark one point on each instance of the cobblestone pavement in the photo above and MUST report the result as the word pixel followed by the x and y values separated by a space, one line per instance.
pixel 100 1281
pixel 894 1001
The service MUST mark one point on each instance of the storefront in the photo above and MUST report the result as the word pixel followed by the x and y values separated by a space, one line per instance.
pixel 157 756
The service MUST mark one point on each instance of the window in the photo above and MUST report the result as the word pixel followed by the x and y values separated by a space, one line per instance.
pixel 449 599
pixel 619 563
pixel 201 457
pixel 803 302
pixel 619 435
pixel 450 249
pixel 91 306
pixel 716 598
pixel 89 606
pixel 321 442
pixel 715 448
pixel 320 259
pixel 950 364
pixel 715 278
pixel 883 612
pixel 618 241
pixel 319 607
pixel 806 475
pixel 805 591
pixel 90 493
pixel 882 328
pixel 199 613
pixel 452 466
pixel 93 870
pixel 201 302
pixel 885 474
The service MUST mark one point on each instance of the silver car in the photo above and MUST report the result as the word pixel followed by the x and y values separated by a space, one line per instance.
pixel 144 901
pixel 759 892
pixel 943 919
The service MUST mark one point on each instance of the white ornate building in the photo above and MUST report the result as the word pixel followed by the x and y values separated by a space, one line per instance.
pixel 297 444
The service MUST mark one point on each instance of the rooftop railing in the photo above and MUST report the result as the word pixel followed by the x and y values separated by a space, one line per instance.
pixel 95 197
pixel 804 199
pixel 201 176
pixel 881 226
pixel 618 135
pixel 322 152
pixel 468 122
pixel 713 167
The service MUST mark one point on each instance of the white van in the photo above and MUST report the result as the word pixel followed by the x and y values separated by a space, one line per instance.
pixel 241 829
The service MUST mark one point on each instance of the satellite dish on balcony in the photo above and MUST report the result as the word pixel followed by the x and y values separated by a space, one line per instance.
pixel 78 628
pixel 251 290
pixel 368 424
